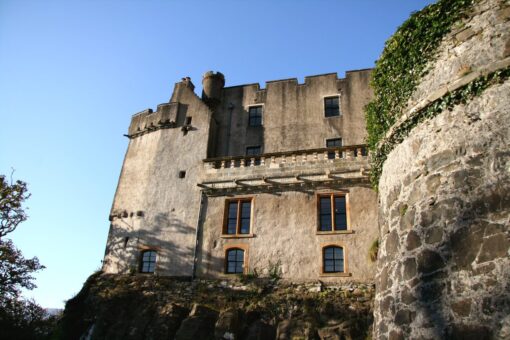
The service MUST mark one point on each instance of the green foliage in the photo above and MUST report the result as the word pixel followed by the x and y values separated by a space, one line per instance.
pixel 15 271
pixel 403 210
pixel 12 196
pixel 374 249
pixel 404 62
pixel 19 318
pixel 24 319
pixel 274 270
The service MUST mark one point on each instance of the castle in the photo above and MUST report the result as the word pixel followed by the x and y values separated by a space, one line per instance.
pixel 274 181
pixel 249 180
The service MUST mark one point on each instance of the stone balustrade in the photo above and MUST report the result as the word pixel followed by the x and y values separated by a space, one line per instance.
pixel 289 158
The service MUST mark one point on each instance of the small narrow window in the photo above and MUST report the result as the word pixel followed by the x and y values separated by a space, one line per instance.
pixel 332 106
pixel 253 151
pixel 234 261
pixel 238 217
pixel 188 120
pixel 332 212
pixel 182 174
pixel 333 259
pixel 255 116
pixel 148 263
pixel 331 143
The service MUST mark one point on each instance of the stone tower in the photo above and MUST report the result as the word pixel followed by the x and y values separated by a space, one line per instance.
pixel 443 267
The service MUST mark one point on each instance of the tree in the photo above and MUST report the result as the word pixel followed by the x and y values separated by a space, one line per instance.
pixel 12 196
pixel 15 271
pixel 19 318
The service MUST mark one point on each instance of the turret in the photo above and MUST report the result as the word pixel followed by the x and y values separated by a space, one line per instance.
pixel 212 83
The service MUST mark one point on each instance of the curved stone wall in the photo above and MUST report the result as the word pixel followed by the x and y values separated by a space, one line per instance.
pixel 443 266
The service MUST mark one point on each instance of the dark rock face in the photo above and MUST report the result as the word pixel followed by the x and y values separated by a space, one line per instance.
pixel 230 324
pixel 198 325
pixel 260 330
pixel 150 307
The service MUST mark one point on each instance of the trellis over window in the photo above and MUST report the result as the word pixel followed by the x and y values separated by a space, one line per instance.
pixel 234 262
pixel 237 216
pixel 333 259
pixel 148 261
pixel 332 211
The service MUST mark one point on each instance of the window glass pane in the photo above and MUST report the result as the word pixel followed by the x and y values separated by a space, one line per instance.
pixel 245 226
pixel 239 267
pixel 231 255
pixel 325 213
pixel 253 150
pixel 333 142
pixel 232 210
pixel 231 228
pixel 331 106
pixel 325 205
pixel 328 267
pixel 240 255
pixel 338 253
pixel 231 267
pixel 325 222
pixel 245 209
pixel 328 253
pixel 340 213
pixel 255 116
pixel 339 265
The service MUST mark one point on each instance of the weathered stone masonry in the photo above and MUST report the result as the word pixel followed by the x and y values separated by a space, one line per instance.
pixel 188 159
pixel 443 266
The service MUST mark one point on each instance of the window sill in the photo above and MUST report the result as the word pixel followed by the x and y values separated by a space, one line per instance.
pixel 334 232
pixel 237 236
pixel 335 275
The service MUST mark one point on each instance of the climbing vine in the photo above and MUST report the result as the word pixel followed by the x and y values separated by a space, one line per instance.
pixel 460 96
pixel 404 62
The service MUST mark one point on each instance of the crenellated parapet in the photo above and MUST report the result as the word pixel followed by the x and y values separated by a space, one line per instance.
pixel 146 121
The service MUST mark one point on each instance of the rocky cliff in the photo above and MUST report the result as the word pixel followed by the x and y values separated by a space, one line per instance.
pixel 152 307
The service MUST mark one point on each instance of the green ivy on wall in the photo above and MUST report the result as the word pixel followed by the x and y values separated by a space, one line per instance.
pixel 404 62
pixel 448 101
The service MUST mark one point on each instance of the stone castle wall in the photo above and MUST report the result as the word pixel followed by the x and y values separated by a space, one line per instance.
pixel 443 266
pixel 293 114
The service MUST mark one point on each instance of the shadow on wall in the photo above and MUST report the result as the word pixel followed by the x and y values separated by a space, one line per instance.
pixel 168 235
pixel 472 255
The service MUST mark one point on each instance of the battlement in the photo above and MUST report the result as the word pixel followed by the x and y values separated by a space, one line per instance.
pixel 308 80
pixel 165 116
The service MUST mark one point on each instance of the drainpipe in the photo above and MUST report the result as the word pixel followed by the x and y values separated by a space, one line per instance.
pixel 229 126
pixel 197 233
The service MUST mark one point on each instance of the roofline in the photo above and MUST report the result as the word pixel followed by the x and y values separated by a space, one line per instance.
pixel 296 80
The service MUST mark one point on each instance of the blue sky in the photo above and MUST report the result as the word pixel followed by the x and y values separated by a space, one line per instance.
pixel 73 72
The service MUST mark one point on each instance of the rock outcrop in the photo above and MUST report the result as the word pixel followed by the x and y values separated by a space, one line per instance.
pixel 152 307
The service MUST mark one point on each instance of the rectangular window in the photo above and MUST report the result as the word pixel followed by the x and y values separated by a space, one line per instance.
pixel 332 212
pixel 253 151
pixel 238 217
pixel 332 106
pixel 255 116
pixel 334 142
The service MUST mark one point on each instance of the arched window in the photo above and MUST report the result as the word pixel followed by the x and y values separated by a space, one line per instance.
pixel 148 261
pixel 235 261
pixel 333 259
